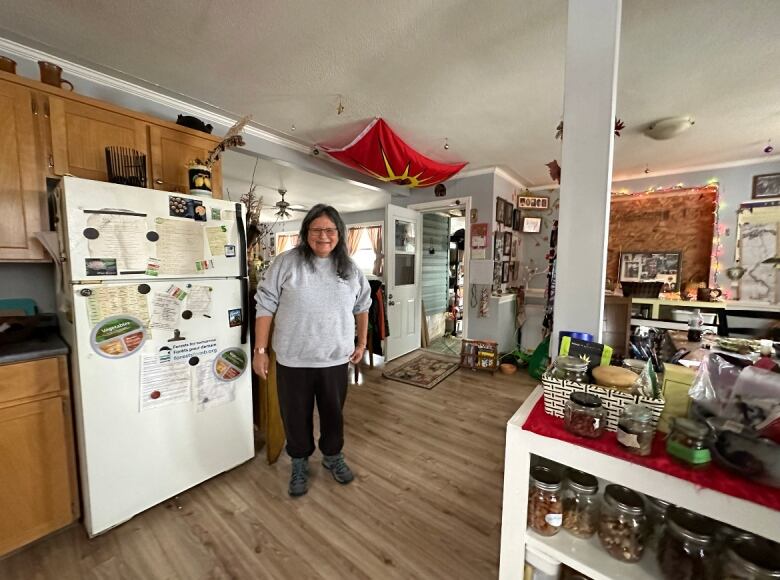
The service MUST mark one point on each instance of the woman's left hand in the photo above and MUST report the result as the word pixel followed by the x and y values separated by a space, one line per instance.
pixel 357 355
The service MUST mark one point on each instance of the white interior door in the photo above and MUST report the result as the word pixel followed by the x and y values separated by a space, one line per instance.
pixel 403 239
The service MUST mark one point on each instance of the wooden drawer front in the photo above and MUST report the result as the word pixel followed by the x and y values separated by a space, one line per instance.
pixel 29 379
pixel 36 493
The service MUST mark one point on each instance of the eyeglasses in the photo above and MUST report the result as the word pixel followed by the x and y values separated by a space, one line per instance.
pixel 330 232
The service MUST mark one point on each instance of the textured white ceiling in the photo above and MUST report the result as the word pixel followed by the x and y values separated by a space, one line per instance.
pixel 486 74
pixel 304 189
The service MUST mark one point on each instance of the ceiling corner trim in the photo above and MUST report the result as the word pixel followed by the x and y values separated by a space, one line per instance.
pixel 494 170
pixel 22 51
pixel 510 178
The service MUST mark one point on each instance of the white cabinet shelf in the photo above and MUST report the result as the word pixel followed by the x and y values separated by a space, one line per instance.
pixel 587 556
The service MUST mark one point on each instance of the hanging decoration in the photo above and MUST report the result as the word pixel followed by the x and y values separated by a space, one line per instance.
pixel 377 151
pixel 555 168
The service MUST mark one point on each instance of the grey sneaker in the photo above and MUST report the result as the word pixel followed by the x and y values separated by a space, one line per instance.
pixel 299 476
pixel 338 468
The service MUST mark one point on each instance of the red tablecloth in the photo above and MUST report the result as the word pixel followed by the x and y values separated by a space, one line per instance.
pixel 712 476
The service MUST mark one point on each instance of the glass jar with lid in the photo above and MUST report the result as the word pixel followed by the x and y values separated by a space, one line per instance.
pixel 687 549
pixel 623 524
pixel 584 415
pixel 751 558
pixel 580 504
pixel 570 368
pixel 687 442
pixel 635 430
pixel 656 518
pixel 545 509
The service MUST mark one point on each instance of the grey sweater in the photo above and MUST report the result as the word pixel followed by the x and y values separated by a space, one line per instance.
pixel 314 310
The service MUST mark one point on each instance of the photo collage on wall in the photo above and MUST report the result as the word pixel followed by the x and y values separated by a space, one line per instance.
pixel 506 243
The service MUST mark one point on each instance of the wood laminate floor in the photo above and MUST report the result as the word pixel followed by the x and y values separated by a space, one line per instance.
pixel 426 501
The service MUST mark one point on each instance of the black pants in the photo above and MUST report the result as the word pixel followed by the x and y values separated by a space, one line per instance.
pixel 298 389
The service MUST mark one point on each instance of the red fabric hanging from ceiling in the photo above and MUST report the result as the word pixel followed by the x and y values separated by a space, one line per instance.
pixel 377 151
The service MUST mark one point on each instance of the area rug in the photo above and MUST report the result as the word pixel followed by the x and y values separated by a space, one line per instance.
pixel 425 370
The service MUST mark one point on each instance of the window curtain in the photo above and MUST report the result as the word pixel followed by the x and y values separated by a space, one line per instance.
pixel 353 239
pixel 375 233
pixel 285 241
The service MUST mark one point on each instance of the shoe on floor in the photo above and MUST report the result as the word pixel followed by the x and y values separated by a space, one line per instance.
pixel 338 468
pixel 299 477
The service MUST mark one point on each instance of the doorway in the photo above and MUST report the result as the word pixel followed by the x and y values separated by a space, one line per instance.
pixel 444 275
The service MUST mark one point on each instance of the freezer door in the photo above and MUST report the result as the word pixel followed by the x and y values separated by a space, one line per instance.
pixel 162 391
pixel 117 232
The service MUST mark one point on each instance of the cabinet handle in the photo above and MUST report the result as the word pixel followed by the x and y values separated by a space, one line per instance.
pixel 51 160
pixel 46 108
pixel 158 181
pixel 34 105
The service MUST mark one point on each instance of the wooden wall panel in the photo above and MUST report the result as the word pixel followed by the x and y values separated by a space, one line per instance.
pixel 677 221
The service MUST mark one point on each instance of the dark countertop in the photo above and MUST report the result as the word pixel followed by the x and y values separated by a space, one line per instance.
pixel 42 345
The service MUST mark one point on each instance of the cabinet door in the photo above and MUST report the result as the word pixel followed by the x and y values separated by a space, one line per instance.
pixel 171 150
pixel 80 134
pixel 22 185
pixel 35 480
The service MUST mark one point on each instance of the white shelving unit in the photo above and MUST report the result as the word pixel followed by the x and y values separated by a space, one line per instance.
pixel 587 556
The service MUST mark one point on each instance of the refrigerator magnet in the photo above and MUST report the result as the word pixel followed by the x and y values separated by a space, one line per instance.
pixel 230 364
pixel 118 336
pixel 234 317
pixel 152 267
pixel 216 213
pixel 100 266
pixel 230 251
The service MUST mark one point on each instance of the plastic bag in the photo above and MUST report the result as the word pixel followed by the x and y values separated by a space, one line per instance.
pixel 714 382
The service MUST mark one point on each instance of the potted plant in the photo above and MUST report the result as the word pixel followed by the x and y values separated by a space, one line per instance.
pixel 199 170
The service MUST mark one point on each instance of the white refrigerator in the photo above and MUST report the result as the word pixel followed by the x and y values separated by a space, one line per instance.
pixel 153 302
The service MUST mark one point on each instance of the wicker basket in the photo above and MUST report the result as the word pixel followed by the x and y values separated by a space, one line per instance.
pixel 557 391
pixel 642 289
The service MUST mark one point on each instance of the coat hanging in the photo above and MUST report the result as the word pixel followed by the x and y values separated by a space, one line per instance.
pixel 377 151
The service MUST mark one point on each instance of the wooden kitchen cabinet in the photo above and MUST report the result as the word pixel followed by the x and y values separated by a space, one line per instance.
pixel 37 463
pixel 170 150
pixel 81 132
pixel 46 131
pixel 22 180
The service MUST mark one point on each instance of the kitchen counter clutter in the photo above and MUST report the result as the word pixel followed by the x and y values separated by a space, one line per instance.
pixel 534 438
pixel 44 345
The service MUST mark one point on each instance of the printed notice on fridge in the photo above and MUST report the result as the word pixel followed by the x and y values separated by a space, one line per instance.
pixel 209 390
pixel 163 383
pixel 180 246
pixel 199 300
pixel 121 236
pixel 198 348
pixel 165 311
pixel 108 301
pixel 218 239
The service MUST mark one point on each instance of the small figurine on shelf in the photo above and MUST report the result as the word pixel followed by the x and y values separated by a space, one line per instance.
pixel 199 170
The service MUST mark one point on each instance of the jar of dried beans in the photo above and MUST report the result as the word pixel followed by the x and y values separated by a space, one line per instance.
pixel 545 509
pixel 687 548
pixel 688 443
pixel 622 524
pixel 635 430
pixel 580 504
pixel 656 518
pixel 751 558
pixel 584 415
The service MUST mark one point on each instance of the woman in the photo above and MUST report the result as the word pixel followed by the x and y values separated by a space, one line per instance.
pixel 317 295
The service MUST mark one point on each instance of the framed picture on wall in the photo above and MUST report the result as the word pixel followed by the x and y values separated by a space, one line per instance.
pixel 517 220
pixel 508 213
pixel 507 243
pixel 532 225
pixel 652 267
pixel 767 185
pixel 504 272
pixel 498 245
pixel 533 202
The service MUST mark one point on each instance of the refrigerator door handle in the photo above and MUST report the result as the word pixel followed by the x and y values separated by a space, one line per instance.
pixel 241 238
pixel 244 310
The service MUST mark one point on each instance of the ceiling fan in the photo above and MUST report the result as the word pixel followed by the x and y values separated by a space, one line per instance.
pixel 284 208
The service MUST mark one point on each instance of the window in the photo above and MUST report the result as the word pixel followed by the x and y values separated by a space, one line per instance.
pixel 365 256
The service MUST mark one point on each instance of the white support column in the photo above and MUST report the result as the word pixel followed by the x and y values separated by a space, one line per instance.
pixel 590 82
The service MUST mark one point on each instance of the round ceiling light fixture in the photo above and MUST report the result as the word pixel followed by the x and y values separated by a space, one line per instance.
pixel 668 128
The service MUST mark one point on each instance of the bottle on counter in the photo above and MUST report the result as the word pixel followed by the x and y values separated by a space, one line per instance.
pixel 687 550
pixel 545 508
pixel 580 504
pixel 695 322
pixel 623 525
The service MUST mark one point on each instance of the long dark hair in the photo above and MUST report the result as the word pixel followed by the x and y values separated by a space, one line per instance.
pixel 344 264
